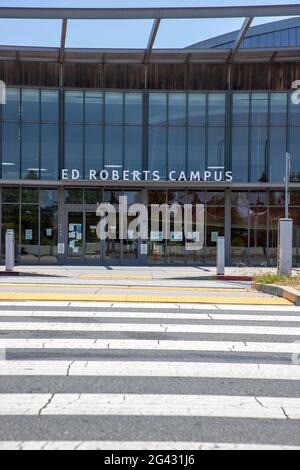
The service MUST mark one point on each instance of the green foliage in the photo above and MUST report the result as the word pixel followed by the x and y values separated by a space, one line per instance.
pixel 273 278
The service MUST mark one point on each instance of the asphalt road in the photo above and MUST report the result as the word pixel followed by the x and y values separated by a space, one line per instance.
pixel 148 377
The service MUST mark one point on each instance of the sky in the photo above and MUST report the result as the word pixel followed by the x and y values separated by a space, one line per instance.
pixel 127 34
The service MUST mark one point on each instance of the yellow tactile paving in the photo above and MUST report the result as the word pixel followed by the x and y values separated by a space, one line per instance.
pixel 90 276
pixel 137 287
pixel 259 300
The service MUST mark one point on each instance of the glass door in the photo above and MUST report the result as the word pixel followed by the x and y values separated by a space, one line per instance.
pixel 92 242
pixel 75 235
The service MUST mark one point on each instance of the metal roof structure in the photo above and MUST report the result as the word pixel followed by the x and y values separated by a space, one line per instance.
pixel 150 54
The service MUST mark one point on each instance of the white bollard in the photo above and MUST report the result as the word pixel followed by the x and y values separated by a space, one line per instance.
pixel 9 251
pixel 221 256
pixel 285 247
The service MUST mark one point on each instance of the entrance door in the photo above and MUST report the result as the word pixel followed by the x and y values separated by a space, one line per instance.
pixel 84 246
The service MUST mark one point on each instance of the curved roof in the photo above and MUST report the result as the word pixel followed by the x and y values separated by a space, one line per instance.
pixel 284 33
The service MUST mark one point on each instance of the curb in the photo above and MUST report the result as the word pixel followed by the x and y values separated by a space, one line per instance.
pixel 287 293
pixel 9 274
pixel 234 278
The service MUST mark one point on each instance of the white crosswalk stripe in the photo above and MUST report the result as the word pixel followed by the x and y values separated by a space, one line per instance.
pixel 68 362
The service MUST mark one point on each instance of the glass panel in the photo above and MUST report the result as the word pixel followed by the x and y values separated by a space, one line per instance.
pixel 75 235
pixel 215 223
pixel 158 150
pixel 275 214
pixel 177 151
pixel 74 148
pixel 50 106
pixel 259 109
pixel 177 197
pixel 49 151
pixel 158 109
pixel 258 198
pixel 30 105
pixel 258 236
pixel 177 109
pixel 74 106
pixel 92 242
pixel 48 197
pixel 10 151
pixel 11 194
pixel 277 154
pixel 10 221
pixel 134 108
pixel 295 153
pixel 49 230
pixel 133 197
pixel 196 149
pixel 113 246
pixel 196 109
pixel 240 109
pixel 240 198
pixel 295 198
pixel 294 113
pixel 93 196
pixel 30 195
pixel 114 108
pixel 30 151
pixel 216 109
pixel 216 146
pixel 157 197
pixel 94 107
pixel 112 197
pixel 294 213
pixel 278 109
pixel 73 196
pixel 259 154
pixel 239 235
pixel 93 149
pixel 196 197
pixel 215 198
pixel 29 234
pixel 133 148
pixel 240 149
pixel 11 111
pixel 114 147
pixel 277 198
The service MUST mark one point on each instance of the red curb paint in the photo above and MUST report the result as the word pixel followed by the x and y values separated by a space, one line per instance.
pixel 234 278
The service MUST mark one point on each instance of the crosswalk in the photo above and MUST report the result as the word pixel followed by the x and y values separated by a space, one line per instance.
pixel 132 376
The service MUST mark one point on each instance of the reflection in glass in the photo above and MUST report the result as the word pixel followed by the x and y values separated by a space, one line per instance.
pixel 240 109
pixel 177 150
pixel 10 221
pixel 10 194
pixel 29 234
pixel 258 236
pixel 196 109
pixel 239 235
pixel 114 108
pixel 49 105
pixel 93 149
pixel 134 109
pixel 49 151
pixel 30 195
pixel 30 105
pixel 30 151
pixel 216 109
pixel 133 158
pixel 196 149
pixel 11 111
pixel 113 156
pixel 240 153
pixel 295 153
pixel 158 109
pixel 92 242
pixel 259 109
pixel 279 106
pixel 48 235
pixel 94 107
pixel 177 109
pixel 259 154
pixel 73 196
pixel 74 148
pixel 10 150
pixel 158 150
pixel 74 106
pixel 216 146
pixel 277 153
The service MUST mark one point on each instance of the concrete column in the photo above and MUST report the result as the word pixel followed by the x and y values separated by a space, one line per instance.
pixel 285 247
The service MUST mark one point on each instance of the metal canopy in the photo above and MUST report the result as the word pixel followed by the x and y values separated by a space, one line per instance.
pixel 150 55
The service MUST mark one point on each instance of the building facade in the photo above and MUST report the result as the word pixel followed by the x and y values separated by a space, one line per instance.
pixel 75 135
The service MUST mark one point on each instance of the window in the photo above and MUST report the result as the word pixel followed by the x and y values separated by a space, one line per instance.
pixel 30 156
pixel 158 109
pixel 113 147
pixel 240 153
pixel 11 111
pixel 133 148
pixel 74 148
pixel 114 108
pixel 196 109
pixel 177 109
pixel 74 106
pixel 49 151
pixel 94 107
pixel 93 149
pixel 240 109
pixel 216 109
pixel 11 137
pixel 30 105
pixel 158 150
pixel 134 109
pixel 49 106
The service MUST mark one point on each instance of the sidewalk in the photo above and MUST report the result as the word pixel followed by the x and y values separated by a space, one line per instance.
pixel 177 285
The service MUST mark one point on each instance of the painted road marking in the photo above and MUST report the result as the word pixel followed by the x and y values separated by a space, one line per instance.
pixel 149 405
pixel 150 328
pixel 150 369
pixel 245 316
pixel 150 345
